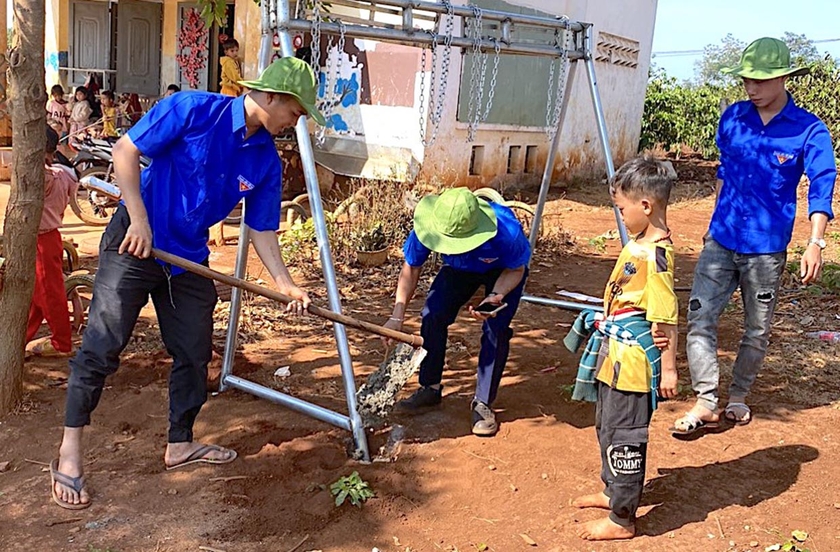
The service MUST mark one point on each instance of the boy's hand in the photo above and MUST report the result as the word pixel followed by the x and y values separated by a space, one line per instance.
pixel 660 340
pixel 668 384
pixel 393 323
pixel 138 240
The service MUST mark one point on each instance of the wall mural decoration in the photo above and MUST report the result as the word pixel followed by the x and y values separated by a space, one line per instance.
pixel 192 43
pixel 339 91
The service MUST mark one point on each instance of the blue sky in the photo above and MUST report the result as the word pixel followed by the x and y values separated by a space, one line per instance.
pixel 692 24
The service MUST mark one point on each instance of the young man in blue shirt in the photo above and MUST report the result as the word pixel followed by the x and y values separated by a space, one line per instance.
pixel 482 245
pixel 208 153
pixel 766 144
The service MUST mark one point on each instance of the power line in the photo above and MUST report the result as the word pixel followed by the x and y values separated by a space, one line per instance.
pixel 682 53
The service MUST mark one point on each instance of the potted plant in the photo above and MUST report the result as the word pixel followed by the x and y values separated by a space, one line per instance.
pixel 371 242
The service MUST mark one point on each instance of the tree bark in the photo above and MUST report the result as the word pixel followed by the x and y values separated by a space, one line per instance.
pixel 27 100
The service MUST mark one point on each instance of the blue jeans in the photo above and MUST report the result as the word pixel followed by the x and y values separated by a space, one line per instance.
pixel 718 273
pixel 449 292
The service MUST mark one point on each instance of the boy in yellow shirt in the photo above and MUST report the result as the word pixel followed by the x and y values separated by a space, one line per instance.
pixel 231 69
pixel 623 368
pixel 109 114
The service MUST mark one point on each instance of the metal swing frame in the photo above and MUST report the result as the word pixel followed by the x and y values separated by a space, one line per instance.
pixel 276 17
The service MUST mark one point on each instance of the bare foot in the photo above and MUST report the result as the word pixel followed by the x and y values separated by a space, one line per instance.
pixel 177 453
pixel 70 464
pixel 595 500
pixel 606 529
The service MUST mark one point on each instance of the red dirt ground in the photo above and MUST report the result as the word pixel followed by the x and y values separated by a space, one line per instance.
pixel 742 489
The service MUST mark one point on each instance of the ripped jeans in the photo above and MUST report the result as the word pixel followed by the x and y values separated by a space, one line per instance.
pixel 718 273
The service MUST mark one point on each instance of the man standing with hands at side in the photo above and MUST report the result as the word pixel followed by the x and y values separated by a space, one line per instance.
pixel 766 144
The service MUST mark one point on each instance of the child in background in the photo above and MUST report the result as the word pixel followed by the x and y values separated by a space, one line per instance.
pixel 57 109
pixel 130 108
pixel 49 300
pixel 80 113
pixel 231 69
pixel 171 89
pixel 622 368
pixel 109 114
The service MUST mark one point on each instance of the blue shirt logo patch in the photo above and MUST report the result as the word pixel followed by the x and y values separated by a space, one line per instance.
pixel 244 185
pixel 783 157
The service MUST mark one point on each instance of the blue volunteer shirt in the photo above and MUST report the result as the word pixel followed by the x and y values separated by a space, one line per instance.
pixel 760 166
pixel 509 248
pixel 202 166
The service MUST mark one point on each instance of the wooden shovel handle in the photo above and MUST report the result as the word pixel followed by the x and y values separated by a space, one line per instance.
pixel 201 270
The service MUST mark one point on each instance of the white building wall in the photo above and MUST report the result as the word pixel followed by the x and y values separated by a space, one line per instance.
pixel 622 93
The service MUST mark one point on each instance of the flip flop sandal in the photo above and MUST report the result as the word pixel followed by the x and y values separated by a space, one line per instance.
pixel 46 349
pixel 75 483
pixel 694 425
pixel 199 457
pixel 732 411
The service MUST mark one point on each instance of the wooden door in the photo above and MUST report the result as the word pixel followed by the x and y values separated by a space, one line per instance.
pixel 138 47
pixel 91 39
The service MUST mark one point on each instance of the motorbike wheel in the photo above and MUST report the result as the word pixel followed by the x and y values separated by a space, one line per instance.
pixel 87 206
pixel 235 216
pixel 79 290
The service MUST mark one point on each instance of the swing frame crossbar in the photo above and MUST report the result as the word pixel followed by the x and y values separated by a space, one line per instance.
pixel 276 17
pixel 407 33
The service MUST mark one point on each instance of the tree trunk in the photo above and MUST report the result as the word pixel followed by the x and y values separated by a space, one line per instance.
pixel 27 100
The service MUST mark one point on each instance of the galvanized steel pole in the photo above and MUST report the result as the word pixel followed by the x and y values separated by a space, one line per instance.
pixel 307 157
pixel 601 122
pixel 552 158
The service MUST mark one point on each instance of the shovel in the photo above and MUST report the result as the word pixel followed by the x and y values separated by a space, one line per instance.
pixel 378 395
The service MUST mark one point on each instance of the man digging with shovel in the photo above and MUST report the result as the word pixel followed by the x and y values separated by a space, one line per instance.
pixel 208 153
pixel 482 245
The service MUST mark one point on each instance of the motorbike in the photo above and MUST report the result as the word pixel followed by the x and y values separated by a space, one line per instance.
pixel 95 159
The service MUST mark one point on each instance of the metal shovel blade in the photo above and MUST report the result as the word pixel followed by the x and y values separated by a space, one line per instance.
pixel 376 398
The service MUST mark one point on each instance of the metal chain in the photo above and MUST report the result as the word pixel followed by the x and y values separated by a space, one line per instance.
pixel 316 40
pixel 494 74
pixel 422 100
pixel 553 113
pixel 550 89
pixel 437 85
pixel 478 75
pixel 473 30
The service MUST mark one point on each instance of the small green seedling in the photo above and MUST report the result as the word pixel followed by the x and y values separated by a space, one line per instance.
pixel 353 487
pixel 599 243
pixel 794 544
pixel 568 389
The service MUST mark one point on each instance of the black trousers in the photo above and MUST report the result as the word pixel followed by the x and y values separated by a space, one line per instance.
pixel 450 291
pixel 184 305
pixel 621 423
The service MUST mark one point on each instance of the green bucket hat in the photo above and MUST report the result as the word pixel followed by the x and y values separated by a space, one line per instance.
pixel 764 59
pixel 290 76
pixel 454 222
